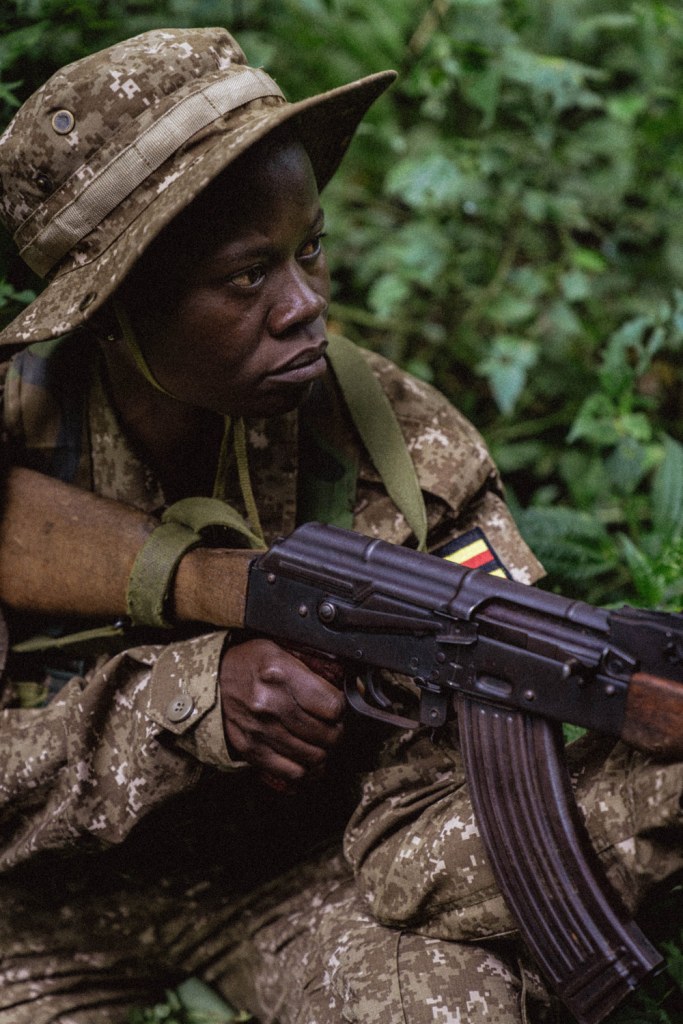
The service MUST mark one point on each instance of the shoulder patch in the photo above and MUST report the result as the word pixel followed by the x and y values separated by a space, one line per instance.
pixel 472 550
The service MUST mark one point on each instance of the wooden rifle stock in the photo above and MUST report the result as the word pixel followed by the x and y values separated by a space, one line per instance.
pixel 65 551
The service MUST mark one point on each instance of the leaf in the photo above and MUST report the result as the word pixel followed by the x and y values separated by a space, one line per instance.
pixel 421 369
pixel 623 358
pixel 627 465
pixel 588 259
pixel 506 368
pixel 573 546
pixel 667 492
pixel 427 183
pixel 561 78
pixel 509 309
pixel 576 285
pixel 482 88
pixel 387 294
pixel 595 421
pixel 204 1006
pixel 643 573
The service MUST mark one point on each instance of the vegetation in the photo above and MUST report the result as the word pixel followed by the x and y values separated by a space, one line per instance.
pixel 509 226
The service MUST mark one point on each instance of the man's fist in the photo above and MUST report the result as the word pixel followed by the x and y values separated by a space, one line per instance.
pixel 279 715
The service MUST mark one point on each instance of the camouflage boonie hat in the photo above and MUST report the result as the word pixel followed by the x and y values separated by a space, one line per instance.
pixel 113 146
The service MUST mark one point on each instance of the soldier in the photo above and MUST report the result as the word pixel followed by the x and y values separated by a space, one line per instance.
pixel 174 796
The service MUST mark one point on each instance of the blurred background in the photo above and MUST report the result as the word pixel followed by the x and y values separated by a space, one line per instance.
pixel 508 225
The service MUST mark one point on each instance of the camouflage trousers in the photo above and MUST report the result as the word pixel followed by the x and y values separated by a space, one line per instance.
pixel 302 949
pixel 414 932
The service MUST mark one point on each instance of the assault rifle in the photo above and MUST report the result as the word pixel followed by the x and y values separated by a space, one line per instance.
pixel 496 649
pixel 515 661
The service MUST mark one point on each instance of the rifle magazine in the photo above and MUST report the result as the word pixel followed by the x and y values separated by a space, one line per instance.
pixel 590 951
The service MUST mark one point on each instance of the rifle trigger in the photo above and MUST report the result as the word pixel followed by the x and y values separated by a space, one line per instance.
pixel 375 691
pixel 358 702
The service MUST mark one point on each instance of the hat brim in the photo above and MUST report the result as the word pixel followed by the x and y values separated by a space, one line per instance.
pixel 324 124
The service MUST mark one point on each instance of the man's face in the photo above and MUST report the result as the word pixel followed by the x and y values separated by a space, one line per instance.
pixel 240 327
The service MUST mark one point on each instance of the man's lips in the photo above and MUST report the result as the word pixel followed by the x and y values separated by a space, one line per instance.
pixel 304 366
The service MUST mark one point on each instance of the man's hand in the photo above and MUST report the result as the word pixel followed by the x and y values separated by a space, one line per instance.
pixel 278 715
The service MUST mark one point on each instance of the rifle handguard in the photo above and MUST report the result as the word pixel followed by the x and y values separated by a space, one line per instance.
pixel 590 951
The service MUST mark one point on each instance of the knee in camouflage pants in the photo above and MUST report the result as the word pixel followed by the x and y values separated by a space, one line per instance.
pixel 420 934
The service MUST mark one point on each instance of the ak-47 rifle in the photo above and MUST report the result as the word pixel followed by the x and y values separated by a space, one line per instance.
pixel 515 661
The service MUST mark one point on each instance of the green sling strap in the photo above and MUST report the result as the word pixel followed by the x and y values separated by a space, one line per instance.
pixel 182 528
pixel 380 432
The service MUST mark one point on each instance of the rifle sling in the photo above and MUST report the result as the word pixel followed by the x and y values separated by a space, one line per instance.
pixel 376 423
pixel 581 935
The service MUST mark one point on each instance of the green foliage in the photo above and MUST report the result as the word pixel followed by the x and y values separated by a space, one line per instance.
pixel 660 1000
pixel 192 1002
pixel 620 534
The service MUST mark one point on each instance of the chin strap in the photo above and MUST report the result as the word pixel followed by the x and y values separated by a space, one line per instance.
pixel 128 335
pixel 239 443
pixel 234 433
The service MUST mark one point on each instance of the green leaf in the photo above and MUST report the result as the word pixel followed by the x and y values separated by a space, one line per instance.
pixel 576 285
pixel 562 79
pixel 573 546
pixel 421 369
pixel 387 294
pixel 430 182
pixel 204 1006
pixel 509 310
pixel 482 88
pixel 506 368
pixel 595 421
pixel 667 492
pixel 627 465
pixel 588 259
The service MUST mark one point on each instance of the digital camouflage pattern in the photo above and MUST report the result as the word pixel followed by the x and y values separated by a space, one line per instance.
pixel 135 852
pixel 127 808
pixel 113 146
pixel 164 862
pixel 419 859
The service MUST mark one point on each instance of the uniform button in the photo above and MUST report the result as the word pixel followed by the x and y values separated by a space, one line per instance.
pixel 63 122
pixel 180 708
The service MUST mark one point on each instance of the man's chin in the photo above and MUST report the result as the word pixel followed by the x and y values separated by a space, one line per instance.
pixel 277 402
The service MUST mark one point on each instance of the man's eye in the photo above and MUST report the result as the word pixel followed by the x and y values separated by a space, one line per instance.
pixel 312 248
pixel 249 278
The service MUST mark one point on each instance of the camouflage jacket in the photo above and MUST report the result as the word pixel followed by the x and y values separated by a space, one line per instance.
pixel 89 764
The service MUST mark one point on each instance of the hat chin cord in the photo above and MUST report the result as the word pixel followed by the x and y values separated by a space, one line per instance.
pixel 234 432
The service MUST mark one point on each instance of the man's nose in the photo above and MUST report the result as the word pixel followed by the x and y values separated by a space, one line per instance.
pixel 299 301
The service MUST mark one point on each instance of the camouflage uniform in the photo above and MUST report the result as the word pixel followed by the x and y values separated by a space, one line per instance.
pixel 135 851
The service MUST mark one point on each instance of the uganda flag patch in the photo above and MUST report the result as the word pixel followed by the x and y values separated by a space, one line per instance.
pixel 473 551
